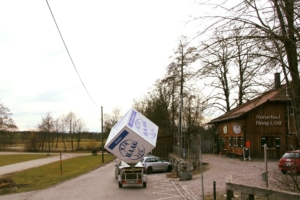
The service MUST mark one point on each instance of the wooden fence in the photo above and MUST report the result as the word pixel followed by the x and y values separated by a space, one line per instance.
pixel 165 145
pixel 249 192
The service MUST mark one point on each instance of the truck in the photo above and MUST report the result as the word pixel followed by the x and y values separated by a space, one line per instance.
pixel 127 174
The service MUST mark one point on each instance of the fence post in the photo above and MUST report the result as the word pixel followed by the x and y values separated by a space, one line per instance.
pixel 60 167
pixel 229 194
pixel 215 198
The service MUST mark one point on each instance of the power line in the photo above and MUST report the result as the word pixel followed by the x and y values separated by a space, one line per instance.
pixel 70 54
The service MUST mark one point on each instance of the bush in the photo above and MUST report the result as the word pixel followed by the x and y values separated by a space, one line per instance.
pixel 94 152
pixel 6 182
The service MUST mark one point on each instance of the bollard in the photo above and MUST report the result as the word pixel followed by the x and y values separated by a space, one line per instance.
pixel 215 198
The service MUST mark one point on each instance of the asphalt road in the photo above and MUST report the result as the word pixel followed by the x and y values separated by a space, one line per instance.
pixel 101 184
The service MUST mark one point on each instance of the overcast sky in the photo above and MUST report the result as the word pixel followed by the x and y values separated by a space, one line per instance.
pixel 119 49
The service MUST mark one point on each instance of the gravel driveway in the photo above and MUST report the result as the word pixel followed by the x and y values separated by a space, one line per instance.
pixel 242 172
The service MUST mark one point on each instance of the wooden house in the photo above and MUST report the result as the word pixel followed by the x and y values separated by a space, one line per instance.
pixel 267 119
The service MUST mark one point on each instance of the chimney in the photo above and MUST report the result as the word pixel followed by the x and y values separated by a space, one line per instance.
pixel 277 80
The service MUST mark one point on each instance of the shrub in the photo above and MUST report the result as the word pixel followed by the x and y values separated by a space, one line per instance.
pixel 6 182
pixel 94 152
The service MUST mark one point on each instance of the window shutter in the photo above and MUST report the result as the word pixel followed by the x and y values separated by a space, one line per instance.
pixel 242 142
pixel 277 142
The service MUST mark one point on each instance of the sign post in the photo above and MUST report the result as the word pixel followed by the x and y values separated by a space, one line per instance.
pixel 266 164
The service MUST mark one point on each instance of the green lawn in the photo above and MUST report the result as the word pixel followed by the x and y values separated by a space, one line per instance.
pixel 47 175
pixel 16 158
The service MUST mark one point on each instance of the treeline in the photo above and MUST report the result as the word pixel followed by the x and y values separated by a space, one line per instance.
pixel 50 141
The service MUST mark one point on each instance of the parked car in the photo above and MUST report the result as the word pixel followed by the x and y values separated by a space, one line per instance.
pixel 290 161
pixel 155 164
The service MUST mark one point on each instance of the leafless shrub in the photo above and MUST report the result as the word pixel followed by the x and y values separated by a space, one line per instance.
pixel 288 182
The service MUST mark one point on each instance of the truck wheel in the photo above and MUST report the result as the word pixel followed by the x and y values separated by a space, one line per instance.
pixel 120 185
pixel 144 184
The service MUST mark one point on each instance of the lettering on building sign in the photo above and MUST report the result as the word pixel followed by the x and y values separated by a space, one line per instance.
pixel 268 120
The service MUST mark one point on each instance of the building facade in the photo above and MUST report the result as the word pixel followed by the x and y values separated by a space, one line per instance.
pixel 267 119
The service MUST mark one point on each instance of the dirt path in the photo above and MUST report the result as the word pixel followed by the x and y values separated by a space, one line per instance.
pixel 8 169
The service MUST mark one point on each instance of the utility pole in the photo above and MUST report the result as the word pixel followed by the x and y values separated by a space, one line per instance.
pixel 200 159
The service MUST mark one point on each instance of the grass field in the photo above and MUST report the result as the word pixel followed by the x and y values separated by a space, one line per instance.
pixel 48 175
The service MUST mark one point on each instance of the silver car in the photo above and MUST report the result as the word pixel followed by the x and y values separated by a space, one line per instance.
pixel 155 164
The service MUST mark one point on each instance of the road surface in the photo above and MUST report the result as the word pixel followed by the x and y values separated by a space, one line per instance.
pixel 102 184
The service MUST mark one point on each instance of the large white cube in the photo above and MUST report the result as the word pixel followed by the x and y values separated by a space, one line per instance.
pixel 132 138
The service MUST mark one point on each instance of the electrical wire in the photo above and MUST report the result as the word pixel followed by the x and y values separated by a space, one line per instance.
pixel 70 55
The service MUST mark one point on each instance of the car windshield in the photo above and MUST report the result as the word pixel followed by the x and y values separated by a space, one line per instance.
pixel 291 155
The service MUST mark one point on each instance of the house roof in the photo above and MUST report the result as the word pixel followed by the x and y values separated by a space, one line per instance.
pixel 279 94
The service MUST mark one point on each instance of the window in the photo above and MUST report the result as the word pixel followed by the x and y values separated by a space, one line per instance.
pixel 221 142
pixel 271 141
pixel 233 142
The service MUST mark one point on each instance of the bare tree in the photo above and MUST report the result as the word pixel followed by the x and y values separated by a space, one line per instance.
pixel 275 25
pixel 62 129
pixel 216 61
pixel 69 121
pixel 157 105
pixel 232 68
pixel 6 121
pixel 80 127
pixel 111 119
pixel 46 126
pixel 11 131
pixel 183 57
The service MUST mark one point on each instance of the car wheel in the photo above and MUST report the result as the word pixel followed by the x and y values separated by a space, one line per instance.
pixel 149 170
pixel 144 184
pixel 120 185
pixel 169 168
pixel 283 171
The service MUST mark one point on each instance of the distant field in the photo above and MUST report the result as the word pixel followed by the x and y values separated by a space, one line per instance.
pixel 11 159
pixel 84 145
